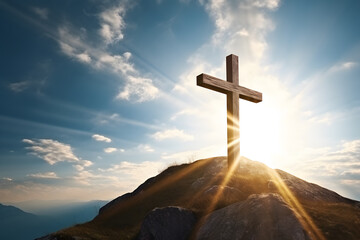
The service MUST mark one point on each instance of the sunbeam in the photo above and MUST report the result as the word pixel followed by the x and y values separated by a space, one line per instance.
pixel 301 214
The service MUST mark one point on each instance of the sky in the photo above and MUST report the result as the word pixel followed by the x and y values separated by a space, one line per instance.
pixel 98 96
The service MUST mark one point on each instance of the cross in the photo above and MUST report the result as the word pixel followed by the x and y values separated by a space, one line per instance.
pixel 233 92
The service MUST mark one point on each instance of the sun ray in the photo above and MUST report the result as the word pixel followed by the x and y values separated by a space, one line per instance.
pixel 301 213
pixel 211 207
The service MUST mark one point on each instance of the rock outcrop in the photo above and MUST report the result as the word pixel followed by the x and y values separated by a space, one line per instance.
pixel 261 217
pixel 167 223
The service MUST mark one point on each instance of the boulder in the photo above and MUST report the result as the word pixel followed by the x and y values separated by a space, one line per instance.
pixel 261 217
pixel 167 223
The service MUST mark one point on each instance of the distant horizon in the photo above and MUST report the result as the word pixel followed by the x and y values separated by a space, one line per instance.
pixel 39 209
pixel 98 97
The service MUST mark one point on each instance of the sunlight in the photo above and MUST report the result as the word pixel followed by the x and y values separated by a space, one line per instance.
pixel 260 133
pixel 301 214
pixel 226 179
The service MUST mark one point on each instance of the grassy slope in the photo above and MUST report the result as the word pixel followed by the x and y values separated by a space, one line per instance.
pixel 335 220
pixel 173 187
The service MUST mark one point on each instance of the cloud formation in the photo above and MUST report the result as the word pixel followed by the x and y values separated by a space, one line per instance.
pixel 187 111
pixel 138 89
pixel 71 46
pixel 172 134
pixel 74 44
pixel 83 164
pixel 112 24
pixel 19 86
pixel 6 179
pixel 341 166
pixel 343 66
pixel 110 150
pixel 136 171
pixel 51 151
pixel 41 12
pixel 145 148
pixel 101 138
pixel 46 175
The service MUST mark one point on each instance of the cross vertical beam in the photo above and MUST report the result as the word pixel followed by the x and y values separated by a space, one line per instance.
pixel 233 92
pixel 232 98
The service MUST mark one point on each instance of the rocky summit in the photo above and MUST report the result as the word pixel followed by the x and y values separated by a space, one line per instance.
pixel 204 201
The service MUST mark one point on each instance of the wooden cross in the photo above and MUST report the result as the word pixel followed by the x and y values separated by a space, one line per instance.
pixel 233 92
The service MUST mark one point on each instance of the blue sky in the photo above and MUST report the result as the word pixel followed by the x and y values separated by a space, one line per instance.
pixel 97 96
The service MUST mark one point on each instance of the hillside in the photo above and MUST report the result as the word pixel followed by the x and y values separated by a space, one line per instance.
pixel 265 201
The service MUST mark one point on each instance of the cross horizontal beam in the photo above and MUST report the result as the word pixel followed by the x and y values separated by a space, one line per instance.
pixel 222 86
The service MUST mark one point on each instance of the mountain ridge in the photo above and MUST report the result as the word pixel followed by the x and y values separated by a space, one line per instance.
pixel 17 224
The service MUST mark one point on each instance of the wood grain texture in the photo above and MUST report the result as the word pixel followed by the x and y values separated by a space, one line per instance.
pixel 233 92
pixel 232 69
pixel 232 105
pixel 222 86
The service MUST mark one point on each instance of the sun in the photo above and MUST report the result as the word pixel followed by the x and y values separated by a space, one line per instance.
pixel 260 133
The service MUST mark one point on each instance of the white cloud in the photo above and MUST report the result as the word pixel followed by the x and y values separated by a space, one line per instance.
pixel 101 138
pixel 343 66
pixel 171 134
pixel 110 150
pixel 79 167
pixel 326 118
pixel 145 148
pixel 51 151
pixel 116 118
pixel 7 179
pixel 340 168
pixel 136 171
pixel 85 177
pixel 49 175
pixel 117 63
pixel 138 89
pixel 350 182
pixel 41 12
pixel 72 52
pixel 112 24
pixel 34 80
pixel 28 141
pixel 19 86
pixel 270 4
pixel 187 111
pixel 351 172
pixel 34 84
pixel 234 20
pixel 83 57
pixel 243 32
pixel 83 164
